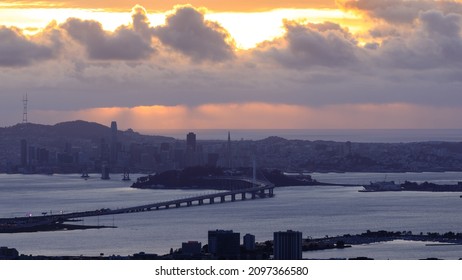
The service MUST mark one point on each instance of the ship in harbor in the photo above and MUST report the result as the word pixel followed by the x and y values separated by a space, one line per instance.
pixel 382 186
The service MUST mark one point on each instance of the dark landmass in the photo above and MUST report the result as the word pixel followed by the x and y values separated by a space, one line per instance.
pixel 197 177
pixel 369 237
pixel 51 227
pixel 209 177
pixel 386 186
pixel 431 187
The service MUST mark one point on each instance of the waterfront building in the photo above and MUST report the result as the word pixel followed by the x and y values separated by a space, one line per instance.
pixel 191 248
pixel 224 244
pixel 8 253
pixel 249 242
pixel 287 245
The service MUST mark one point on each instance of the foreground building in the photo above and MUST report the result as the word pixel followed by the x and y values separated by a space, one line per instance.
pixel 288 245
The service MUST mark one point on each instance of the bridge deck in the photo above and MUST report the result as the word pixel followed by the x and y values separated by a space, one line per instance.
pixel 259 191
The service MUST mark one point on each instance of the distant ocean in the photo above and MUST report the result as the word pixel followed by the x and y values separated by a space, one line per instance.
pixel 340 135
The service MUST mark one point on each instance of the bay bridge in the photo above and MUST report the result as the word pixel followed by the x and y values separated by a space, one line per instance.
pixel 253 190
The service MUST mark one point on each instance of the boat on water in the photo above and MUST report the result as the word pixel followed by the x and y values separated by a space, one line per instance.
pixel 382 186
pixel 126 177
pixel 126 174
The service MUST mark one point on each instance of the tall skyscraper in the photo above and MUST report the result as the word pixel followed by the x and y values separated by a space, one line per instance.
pixel 288 245
pixel 113 143
pixel 191 142
pixel 249 242
pixel 228 151
pixel 190 155
pixel 224 244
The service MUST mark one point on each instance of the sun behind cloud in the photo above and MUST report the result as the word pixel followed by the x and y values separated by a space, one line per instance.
pixel 248 26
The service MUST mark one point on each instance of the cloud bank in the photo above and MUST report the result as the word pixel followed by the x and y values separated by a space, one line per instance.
pixel 187 31
pixel 18 50
pixel 406 64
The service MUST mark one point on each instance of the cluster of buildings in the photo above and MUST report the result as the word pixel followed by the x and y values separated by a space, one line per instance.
pixel 222 245
pixel 29 148
pixel 115 150
pixel 226 244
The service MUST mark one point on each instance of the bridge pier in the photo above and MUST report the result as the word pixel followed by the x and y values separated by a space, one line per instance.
pixel 259 191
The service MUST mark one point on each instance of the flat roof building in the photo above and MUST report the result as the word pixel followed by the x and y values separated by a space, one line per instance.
pixel 224 244
pixel 191 248
pixel 287 245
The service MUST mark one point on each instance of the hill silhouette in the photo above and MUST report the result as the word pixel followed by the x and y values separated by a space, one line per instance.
pixel 72 130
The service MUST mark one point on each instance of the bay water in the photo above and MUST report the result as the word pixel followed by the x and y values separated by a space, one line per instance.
pixel 316 211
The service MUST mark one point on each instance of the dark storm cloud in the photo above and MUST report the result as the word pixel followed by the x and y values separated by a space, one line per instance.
pixel 435 23
pixel 125 43
pixel 400 11
pixel 309 45
pixel 436 42
pixel 188 32
pixel 311 64
pixel 18 50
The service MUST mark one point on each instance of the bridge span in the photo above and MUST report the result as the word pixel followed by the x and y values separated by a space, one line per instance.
pixel 19 224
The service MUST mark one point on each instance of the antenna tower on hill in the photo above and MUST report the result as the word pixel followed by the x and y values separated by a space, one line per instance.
pixel 24 112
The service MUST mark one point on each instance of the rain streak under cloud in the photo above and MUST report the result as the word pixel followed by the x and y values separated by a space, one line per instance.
pixel 400 69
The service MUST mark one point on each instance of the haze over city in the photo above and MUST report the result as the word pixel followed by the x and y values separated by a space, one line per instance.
pixel 233 64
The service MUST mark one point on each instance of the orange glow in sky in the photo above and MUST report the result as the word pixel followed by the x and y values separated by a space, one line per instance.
pixel 165 5
pixel 234 64
pixel 247 27
pixel 256 115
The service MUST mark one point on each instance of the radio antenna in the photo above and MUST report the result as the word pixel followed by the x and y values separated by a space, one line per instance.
pixel 24 112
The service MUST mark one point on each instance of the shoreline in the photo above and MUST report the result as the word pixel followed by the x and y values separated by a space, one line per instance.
pixel 265 248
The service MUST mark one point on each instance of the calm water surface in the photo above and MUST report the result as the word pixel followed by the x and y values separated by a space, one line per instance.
pixel 316 211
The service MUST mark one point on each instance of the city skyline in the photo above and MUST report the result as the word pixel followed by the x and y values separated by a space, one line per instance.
pixel 233 65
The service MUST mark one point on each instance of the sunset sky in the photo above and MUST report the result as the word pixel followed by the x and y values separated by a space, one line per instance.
pixel 233 64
